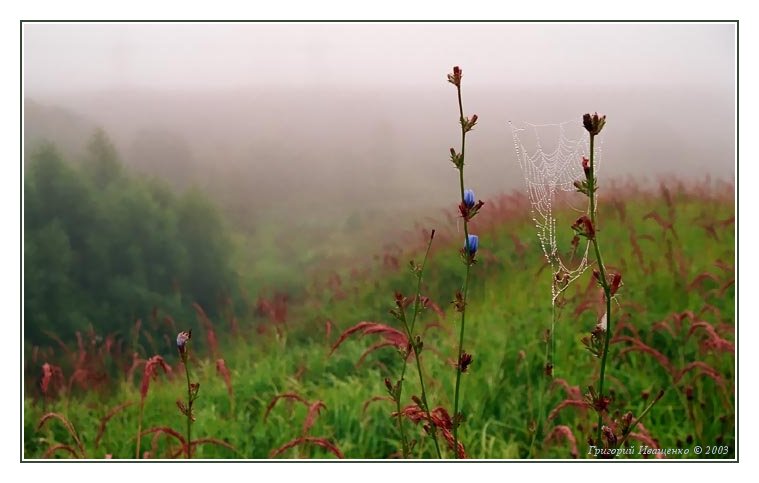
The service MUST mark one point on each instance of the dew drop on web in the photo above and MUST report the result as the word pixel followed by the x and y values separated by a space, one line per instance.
pixel 549 156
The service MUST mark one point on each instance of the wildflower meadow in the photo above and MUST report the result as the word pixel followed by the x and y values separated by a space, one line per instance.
pixel 578 316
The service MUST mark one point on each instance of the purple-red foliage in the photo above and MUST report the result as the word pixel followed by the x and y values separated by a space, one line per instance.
pixel 197 442
pixel 440 419
pixel 647 440
pixel 53 449
pixel 169 432
pixel 565 404
pixel 666 225
pixel 107 417
pixel 288 395
pixel 699 279
pixel 303 440
pixel 275 308
pixel 374 399
pixel 372 348
pixel 213 344
pixel 223 371
pixel 151 372
pixel 67 425
pixel 563 432
pixel 313 412
pixel 714 341
pixel 701 368
pixel 639 346
pixel 389 334
pixel 52 376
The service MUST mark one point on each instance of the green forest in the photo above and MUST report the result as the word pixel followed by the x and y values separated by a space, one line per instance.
pixel 104 248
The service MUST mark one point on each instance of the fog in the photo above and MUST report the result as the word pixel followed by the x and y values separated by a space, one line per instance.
pixel 341 114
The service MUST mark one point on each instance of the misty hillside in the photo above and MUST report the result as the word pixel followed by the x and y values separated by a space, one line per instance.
pixel 64 127
pixel 305 147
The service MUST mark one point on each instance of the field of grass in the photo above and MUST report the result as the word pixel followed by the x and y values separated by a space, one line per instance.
pixel 674 331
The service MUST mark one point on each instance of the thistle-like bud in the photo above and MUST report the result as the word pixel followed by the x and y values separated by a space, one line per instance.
pixel 400 300
pixel 464 361
pixel 418 344
pixel 616 280
pixel 389 386
pixel 583 226
pixel 597 401
pixel 457 159
pixel 627 421
pixel 586 167
pixel 468 123
pixel 458 301
pixel 455 78
pixel 182 339
pixel 594 124
pixel 611 438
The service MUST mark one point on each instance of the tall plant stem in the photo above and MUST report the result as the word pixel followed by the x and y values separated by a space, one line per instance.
pixel 552 336
pixel 604 282
pixel 410 334
pixel 139 429
pixel 401 428
pixel 189 408
pixel 457 420
pixel 421 383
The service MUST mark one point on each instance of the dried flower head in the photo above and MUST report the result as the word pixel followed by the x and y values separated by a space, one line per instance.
pixel 464 361
pixel 594 124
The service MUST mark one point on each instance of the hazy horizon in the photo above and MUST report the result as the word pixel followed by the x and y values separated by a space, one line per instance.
pixel 351 109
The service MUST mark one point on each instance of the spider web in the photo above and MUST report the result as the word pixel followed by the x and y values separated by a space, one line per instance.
pixel 550 156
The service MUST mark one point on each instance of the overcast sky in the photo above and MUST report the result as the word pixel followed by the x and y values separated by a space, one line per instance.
pixel 66 57
pixel 225 92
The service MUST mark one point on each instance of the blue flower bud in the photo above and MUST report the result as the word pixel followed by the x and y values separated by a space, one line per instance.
pixel 474 242
pixel 469 198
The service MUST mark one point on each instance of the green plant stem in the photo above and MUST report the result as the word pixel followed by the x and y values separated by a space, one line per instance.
pixel 410 334
pixel 189 407
pixel 421 383
pixel 552 336
pixel 604 282
pixel 404 441
pixel 139 429
pixel 544 388
pixel 457 421
pixel 640 418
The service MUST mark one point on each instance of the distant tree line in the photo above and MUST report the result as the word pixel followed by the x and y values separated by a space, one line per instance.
pixel 104 247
